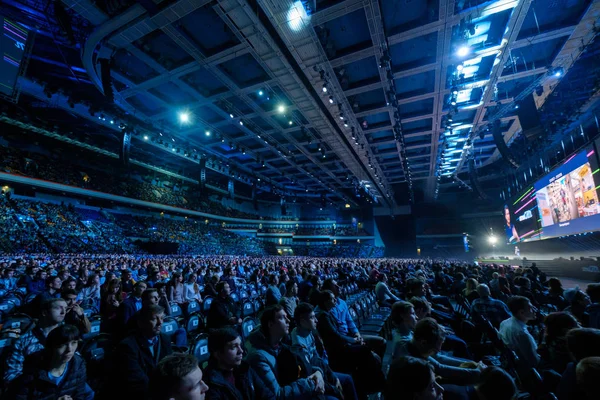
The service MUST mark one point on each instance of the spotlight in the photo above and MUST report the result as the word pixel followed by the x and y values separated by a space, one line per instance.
pixel 463 51
pixel 290 123
pixel 516 106
pixel 230 115
pixel 112 122
pixel 281 109
pixel 492 239
pixel 241 123
pixel 558 72
pixel 184 117
pixel 260 93
pixel 459 67
pixel 325 88
pixel 345 124
pixel 145 137
pixel 453 102
pixel 330 99
pixel 454 90
pixel 207 133
pixel 342 117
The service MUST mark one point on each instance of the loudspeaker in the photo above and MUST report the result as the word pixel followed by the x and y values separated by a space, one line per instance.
pixel 501 144
pixel 530 118
pixel 105 65
pixel 124 148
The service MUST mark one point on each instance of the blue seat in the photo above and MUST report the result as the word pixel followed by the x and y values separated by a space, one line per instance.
pixel 94 328
pixel 247 309
pixel 169 326
pixel 193 324
pixel 248 326
pixel 192 307
pixel 175 311
pixel 206 304
pixel 199 348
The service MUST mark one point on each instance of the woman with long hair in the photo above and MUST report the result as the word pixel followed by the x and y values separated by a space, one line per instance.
pixel 412 378
pixel 56 372
pixel 175 288
pixel 91 291
pixel 110 304
pixel 191 290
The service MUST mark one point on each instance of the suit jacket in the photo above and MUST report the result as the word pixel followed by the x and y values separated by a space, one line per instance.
pixel 126 310
pixel 134 362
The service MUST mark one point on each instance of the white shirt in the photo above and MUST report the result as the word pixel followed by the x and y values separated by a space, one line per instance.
pixel 516 337
pixel 189 293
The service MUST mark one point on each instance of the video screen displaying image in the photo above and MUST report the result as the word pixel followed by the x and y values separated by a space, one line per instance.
pixel 567 198
pixel 521 218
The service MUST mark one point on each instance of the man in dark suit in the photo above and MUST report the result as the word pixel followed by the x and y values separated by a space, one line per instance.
pixel 133 303
pixel 139 353
pixel 223 312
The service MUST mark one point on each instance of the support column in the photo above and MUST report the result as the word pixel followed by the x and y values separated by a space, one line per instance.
pixel 125 146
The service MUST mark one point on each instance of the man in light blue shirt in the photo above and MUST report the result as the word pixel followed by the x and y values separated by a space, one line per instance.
pixel 515 335
pixel 346 325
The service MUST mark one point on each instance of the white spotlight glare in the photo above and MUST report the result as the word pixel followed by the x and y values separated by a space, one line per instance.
pixel 281 109
pixel 145 137
pixel 207 133
pixel 184 117
pixel 459 67
pixel 493 240
pixel 463 51
pixel 260 92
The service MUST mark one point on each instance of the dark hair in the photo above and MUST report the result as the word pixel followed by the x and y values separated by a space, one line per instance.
pixel 169 373
pixel 60 335
pixel 324 297
pixel 148 311
pixel 588 373
pixel 593 290
pixel 559 323
pixel 51 278
pixel 289 285
pixel 221 286
pixel 302 311
pixel 584 342
pixel 147 293
pixel 67 292
pixel 419 303
pixel 328 284
pixel 399 309
pixel 267 316
pixel 49 303
pixel 413 284
pixel 137 284
pixel 517 303
pixel 409 376
pixel 429 331
pixel 218 338
pixel 496 384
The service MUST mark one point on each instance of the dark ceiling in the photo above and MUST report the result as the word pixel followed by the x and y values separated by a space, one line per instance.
pixel 403 113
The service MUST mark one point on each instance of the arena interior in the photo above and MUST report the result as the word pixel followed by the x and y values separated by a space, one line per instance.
pixel 300 199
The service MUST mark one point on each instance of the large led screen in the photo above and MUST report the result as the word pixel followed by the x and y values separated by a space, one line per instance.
pixel 12 47
pixel 521 218
pixel 567 198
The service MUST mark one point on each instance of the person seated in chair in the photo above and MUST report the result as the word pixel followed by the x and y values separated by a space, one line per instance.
pixel 265 349
pixel 139 353
pixel 228 375
pixel 588 376
pixel 515 335
pixel 485 306
pixel 412 378
pixel 582 343
pixel 75 315
pixel 305 338
pixel 223 312
pixel 426 343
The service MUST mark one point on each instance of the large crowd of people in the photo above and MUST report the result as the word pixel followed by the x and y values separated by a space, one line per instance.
pixel 228 327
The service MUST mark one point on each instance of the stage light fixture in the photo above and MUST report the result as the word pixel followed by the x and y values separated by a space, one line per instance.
pixel 493 240
pixel 260 93
pixel 460 67
pixel 241 123
pixel 330 99
pixel 325 87
pixel 207 133
pixel 463 51
pixel 230 115
pixel 281 109
pixel 290 123
pixel 145 137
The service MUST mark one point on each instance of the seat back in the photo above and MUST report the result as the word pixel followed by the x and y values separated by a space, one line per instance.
pixel 95 323
pixel 193 307
pixel 199 348
pixel 193 324
pixel 206 304
pixel 234 296
pixel 244 294
pixel 169 326
pixel 248 326
pixel 247 308
pixel 175 311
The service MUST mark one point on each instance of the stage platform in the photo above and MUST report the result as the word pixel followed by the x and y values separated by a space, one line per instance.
pixel 572 272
